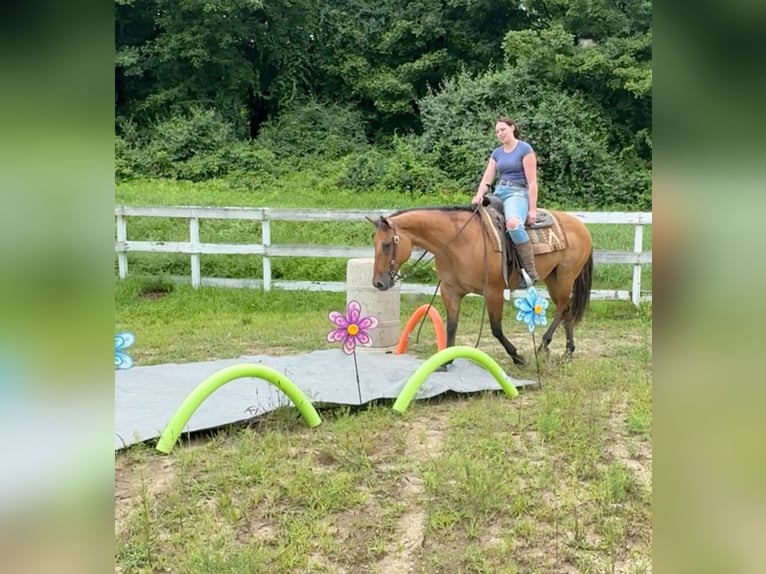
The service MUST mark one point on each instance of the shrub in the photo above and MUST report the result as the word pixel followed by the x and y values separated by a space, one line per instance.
pixel 577 165
pixel 403 167
pixel 309 129
pixel 196 146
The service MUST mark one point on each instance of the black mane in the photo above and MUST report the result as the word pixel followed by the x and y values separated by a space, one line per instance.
pixel 468 208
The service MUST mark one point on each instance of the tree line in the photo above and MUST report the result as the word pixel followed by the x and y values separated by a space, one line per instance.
pixel 207 87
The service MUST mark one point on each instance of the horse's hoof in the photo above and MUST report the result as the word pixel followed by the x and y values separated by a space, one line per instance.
pixel 519 361
pixel 544 349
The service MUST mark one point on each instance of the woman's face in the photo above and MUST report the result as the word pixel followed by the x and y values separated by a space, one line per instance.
pixel 504 132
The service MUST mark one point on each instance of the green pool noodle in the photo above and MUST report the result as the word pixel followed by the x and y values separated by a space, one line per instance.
pixel 450 353
pixel 216 380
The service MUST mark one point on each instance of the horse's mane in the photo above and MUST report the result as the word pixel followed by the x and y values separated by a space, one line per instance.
pixel 448 208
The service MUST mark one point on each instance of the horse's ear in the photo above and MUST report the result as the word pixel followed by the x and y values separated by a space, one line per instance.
pixel 381 223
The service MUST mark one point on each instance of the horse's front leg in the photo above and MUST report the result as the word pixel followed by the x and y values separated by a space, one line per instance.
pixel 494 303
pixel 452 307
pixel 451 302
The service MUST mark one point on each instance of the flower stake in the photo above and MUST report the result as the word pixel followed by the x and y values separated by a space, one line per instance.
pixel 532 312
pixel 121 342
pixel 352 328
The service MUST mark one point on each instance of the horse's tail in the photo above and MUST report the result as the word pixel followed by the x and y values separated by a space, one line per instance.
pixel 581 292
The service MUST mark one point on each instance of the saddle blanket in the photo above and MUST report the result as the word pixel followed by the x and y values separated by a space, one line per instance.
pixel 544 239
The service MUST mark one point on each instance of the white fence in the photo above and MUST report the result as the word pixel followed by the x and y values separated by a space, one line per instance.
pixel 267 250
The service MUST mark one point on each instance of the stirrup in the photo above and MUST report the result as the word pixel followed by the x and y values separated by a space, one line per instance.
pixel 525 281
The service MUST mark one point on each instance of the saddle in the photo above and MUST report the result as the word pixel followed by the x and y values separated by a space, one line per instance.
pixel 545 234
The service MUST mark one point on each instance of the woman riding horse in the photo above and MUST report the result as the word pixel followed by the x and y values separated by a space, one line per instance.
pixel 466 263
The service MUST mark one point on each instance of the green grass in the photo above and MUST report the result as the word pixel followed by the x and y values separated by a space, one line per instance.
pixel 178 323
pixel 555 480
pixel 535 484
pixel 228 193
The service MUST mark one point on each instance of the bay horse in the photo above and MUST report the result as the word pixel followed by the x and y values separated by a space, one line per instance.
pixel 465 263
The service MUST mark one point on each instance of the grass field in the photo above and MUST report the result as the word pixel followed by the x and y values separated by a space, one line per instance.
pixel 605 237
pixel 557 480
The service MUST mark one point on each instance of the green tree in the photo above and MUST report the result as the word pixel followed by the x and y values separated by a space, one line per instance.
pixel 570 135
pixel 385 56
pixel 600 49
pixel 239 57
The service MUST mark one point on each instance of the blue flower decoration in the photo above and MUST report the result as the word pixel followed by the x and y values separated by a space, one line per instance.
pixel 531 309
pixel 121 342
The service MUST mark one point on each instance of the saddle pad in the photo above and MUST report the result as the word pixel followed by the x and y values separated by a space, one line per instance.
pixel 544 239
pixel 548 239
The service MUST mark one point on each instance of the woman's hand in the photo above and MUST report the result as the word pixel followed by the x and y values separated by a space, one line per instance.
pixel 532 216
pixel 477 199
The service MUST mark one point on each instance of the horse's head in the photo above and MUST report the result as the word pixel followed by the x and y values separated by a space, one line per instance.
pixel 391 251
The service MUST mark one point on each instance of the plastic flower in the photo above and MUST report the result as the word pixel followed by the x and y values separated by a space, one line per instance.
pixel 531 309
pixel 121 342
pixel 352 328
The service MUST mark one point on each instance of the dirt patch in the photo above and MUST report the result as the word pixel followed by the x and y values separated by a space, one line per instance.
pixel 321 563
pixel 639 463
pixel 153 476
pixel 153 295
pixel 426 440
pixel 632 452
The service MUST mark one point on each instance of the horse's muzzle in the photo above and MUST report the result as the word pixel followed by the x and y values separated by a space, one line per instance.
pixel 383 284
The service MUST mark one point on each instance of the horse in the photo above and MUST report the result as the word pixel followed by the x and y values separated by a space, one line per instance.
pixel 465 263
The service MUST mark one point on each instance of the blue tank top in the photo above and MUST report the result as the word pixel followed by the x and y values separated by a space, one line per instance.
pixel 509 165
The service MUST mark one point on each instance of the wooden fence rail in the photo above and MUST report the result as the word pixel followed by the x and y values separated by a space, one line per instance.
pixel 265 215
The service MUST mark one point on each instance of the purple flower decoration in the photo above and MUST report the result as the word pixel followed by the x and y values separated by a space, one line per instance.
pixel 352 328
pixel 121 342
pixel 531 309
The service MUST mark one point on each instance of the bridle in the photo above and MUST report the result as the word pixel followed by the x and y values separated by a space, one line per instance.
pixel 392 272
pixel 395 276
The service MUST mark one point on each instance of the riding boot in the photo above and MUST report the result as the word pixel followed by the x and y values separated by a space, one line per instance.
pixel 527 257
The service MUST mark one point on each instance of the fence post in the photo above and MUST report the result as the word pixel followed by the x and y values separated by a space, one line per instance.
pixel 196 279
pixel 122 236
pixel 266 240
pixel 638 246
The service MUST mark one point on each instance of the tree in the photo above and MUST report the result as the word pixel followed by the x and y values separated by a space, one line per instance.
pixel 386 55
pixel 239 57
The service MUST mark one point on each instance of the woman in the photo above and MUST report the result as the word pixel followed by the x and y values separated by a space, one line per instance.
pixel 515 164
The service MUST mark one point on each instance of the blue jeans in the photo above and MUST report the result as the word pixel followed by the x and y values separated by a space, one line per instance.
pixel 515 200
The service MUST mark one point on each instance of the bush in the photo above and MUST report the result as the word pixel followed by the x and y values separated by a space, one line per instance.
pixel 577 165
pixel 401 168
pixel 197 146
pixel 194 146
pixel 307 130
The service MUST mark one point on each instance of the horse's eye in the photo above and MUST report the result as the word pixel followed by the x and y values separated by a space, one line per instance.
pixel 386 247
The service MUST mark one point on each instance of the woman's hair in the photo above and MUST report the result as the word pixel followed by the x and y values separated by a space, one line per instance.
pixel 510 122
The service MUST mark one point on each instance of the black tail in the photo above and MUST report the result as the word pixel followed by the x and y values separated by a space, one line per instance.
pixel 581 292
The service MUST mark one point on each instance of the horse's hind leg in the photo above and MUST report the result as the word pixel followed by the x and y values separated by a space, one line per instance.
pixel 548 336
pixel 569 329
pixel 560 292
pixel 494 305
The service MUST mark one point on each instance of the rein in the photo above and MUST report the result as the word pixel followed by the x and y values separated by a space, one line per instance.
pixel 395 276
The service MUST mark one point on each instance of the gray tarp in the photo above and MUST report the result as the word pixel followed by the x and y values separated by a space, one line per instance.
pixel 147 397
